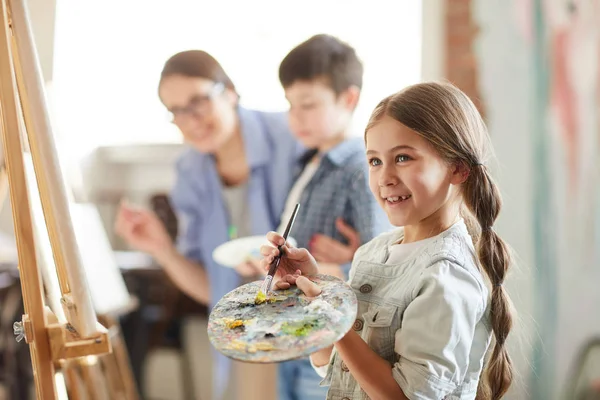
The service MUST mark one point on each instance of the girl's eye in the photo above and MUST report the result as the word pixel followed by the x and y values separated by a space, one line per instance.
pixel 402 158
pixel 373 162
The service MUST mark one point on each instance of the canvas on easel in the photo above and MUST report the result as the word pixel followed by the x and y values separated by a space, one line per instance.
pixel 24 120
pixel 108 376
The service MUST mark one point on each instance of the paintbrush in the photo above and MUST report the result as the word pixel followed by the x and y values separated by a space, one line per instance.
pixel 266 286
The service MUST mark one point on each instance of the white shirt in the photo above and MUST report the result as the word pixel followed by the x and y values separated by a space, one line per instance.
pixel 294 196
pixel 401 251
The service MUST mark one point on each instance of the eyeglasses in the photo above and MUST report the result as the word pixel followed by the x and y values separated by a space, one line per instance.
pixel 198 105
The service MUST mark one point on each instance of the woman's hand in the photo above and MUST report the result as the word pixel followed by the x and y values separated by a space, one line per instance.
pixel 143 230
pixel 293 259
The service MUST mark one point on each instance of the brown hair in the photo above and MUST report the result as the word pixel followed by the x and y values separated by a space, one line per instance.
pixel 322 56
pixel 196 64
pixel 448 119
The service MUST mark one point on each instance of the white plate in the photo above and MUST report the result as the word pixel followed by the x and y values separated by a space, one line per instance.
pixel 235 252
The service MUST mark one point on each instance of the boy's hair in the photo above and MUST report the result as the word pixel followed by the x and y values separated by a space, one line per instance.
pixel 448 119
pixel 322 56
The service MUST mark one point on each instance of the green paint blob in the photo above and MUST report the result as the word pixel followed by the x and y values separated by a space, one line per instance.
pixel 299 329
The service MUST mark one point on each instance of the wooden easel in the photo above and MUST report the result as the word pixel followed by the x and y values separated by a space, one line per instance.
pixel 81 339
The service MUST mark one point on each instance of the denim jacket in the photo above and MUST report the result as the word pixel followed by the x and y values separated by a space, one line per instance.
pixel 427 316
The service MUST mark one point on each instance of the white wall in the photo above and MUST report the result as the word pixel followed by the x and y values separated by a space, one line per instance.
pixel 561 290
pixel 433 40
pixel 42 15
pixel 111 174
pixel 505 79
pixel 84 49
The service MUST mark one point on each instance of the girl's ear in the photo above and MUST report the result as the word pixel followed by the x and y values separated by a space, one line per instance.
pixel 460 173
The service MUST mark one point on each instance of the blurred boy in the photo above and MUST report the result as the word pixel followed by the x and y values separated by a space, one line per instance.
pixel 322 79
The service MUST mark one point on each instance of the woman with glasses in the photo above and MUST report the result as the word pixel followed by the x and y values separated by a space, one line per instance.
pixel 232 181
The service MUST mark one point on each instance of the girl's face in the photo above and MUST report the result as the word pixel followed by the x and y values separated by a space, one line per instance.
pixel 204 112
pixel 412 183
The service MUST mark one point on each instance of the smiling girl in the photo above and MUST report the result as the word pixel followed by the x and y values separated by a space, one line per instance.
pixel 430 294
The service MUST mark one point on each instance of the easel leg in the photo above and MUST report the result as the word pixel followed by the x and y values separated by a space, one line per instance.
pixel 31 281
pixel 117 365
pixel 94 379
pixel 111 371
pixel 73 380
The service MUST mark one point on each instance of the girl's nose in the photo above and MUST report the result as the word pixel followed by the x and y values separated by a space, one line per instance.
pixel 388 177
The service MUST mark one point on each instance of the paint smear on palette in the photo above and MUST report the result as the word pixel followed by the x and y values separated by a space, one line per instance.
pixel 286 325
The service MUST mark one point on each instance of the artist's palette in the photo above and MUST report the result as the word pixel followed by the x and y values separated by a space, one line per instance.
pixel 236 251
pixel 287 326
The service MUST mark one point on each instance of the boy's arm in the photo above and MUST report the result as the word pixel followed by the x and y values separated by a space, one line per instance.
pixel 365 221
pixel 328 250
pixel 365 217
